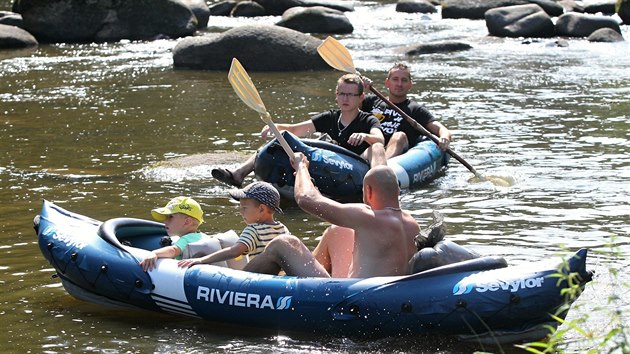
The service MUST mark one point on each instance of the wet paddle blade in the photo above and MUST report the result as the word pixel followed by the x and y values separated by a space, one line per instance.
pixel 499 181
pixel 336 55
pixel 245 89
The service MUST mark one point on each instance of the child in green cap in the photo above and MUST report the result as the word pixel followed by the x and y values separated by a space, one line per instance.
pixel 181 217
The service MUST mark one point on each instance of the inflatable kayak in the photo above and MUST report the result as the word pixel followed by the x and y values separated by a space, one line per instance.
pixel 338 173
pixel 480 299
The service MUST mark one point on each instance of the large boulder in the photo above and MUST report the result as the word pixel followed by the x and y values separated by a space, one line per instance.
pixel 278 7
pixel 415 6
pixel 605 35
pixel 248 9
pixel 581 25
pixel 606 7
pixel 104 21
pixel 435 47
pixel 476 9
pixel 316 19
pixel 12 37
pixel 201 11
pixel 571 5
pixel 624 12
pixel 519 21
pixel 257 47
pixel 10 19
pixel 222 8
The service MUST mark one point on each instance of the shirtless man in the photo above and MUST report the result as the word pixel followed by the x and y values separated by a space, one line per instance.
pixel 383 233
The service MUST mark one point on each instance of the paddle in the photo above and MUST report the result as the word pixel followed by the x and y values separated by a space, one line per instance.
pixel 336 55
pixel 246 91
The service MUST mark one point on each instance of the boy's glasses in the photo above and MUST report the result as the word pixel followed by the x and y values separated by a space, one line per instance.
pixel 348 95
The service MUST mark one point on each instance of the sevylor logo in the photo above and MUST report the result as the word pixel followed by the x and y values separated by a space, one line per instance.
pixel 317 155
pixel 241 299
pixel 466 286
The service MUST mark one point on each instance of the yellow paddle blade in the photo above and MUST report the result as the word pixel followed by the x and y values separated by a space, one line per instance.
pixel 336 55
pixel 245 89
pixel 499 181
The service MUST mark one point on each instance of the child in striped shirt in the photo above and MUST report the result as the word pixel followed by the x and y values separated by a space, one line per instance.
pixel 258 203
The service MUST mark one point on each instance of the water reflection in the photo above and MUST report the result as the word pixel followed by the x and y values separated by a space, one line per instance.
pixel 100 129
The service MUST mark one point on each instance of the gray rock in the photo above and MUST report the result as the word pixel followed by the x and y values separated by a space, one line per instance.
pixel 223 8
pixel 248 9
pixel 436 47
pixel 476 9
pixel 415 6
pixel 605 35
pixel 552 8
pixel 571 6
pixel 103 21
pixel 316 19
pixel 278 7
pixel 13 37
pixel 624 12
pixel 606 7
pixel 11 19
pixel 201 11
pixel 519 21
pixel 257 47
pixel 580 25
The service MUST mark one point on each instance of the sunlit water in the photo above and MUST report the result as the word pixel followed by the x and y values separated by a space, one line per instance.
pixel 87 126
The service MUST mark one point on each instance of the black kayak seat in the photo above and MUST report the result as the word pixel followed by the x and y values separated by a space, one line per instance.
pixel 133 232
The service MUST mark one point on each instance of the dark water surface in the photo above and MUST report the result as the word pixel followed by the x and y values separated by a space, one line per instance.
pixel 86 126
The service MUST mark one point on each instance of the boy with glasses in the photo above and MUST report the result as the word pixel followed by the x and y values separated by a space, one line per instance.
pixel 348 126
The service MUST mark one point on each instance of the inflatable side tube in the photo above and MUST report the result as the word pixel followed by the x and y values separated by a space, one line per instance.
pixel 336 172
pixel 138 233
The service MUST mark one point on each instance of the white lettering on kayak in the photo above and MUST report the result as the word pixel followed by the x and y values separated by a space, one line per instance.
pixel 241 299
pixel 68 239
pixel 338 163
pixel 464 287
pixel 317 155
pixel 425 174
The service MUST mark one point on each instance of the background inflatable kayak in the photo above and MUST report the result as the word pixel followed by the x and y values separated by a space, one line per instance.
pixel 338 173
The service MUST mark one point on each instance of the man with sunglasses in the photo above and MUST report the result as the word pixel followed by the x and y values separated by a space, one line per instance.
pixel 348 126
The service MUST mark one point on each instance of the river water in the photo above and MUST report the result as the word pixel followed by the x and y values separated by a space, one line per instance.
pixel 96 127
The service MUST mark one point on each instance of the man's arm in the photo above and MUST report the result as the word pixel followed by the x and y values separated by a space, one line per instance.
pixel 375 136
pixel 313 202
pixel 221 255
pixel 444 135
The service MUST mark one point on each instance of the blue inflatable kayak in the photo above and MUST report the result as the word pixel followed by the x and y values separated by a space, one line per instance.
pixel 338 173
pixel 480 299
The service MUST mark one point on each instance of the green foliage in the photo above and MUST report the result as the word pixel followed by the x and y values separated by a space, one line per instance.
pixel 618 5
pixel 615 338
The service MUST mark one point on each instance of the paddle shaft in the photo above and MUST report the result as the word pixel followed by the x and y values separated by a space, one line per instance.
pixel 279 137
pixel 423 130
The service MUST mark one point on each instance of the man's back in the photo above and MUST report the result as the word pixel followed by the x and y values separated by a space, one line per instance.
pixel 384 245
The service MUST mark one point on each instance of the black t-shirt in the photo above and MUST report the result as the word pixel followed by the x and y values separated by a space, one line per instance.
pixel 392 122
pixel 328 122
